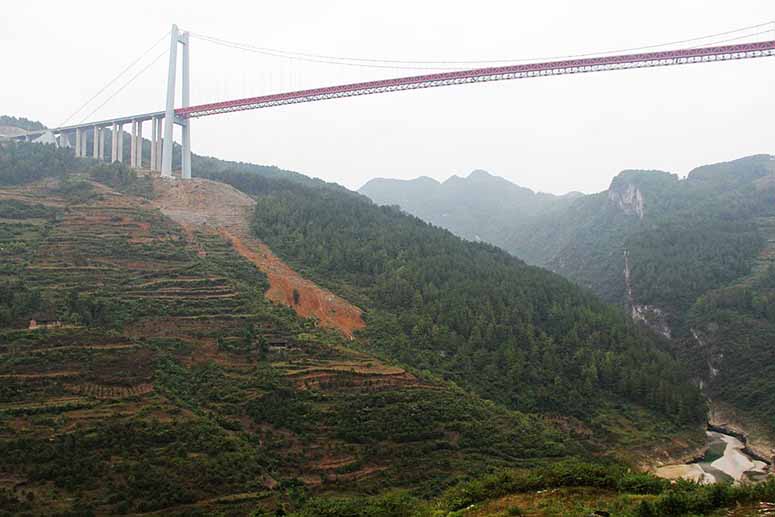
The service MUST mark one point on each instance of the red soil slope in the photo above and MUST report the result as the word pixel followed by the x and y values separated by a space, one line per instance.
pixel 212 206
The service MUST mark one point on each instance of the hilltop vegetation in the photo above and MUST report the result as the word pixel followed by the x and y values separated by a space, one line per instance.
pixel 24 163
pixel 21 123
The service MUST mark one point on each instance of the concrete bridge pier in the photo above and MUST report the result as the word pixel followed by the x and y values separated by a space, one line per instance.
pixel 96 143
pixel 139 145
pixel 101 149
pixel 158 143
pixel 133 146
pixel 114 143
pixel 154 138
pixel 120 138
pixel 77 142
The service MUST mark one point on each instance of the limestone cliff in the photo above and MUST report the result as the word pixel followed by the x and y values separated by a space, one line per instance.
pixel 650 315
pixel 628 198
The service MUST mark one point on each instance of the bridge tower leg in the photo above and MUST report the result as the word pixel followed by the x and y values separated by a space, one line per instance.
pixel 169 114
pixel 186 101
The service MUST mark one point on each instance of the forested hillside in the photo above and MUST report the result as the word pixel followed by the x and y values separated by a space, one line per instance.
pixel 161 365
pixel 470 312
pixel 698 257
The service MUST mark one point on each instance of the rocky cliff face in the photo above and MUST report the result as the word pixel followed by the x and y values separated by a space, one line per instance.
pixel 712 355
pixel 628 198
pixel 650 315
pixel 632 190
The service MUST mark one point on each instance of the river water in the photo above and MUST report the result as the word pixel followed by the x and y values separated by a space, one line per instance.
pixel 725 461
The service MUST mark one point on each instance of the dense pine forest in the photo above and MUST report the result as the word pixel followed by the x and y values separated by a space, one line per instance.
pixel 701 253
pixel 691 257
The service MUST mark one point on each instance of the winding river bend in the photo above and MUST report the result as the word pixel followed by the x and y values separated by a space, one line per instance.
pixel 724 461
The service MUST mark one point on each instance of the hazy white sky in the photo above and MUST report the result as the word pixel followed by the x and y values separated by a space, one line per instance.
pixel 550 134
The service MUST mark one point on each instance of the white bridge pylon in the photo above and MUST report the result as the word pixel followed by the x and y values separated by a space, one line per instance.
pixel 162 124
pixel 176 37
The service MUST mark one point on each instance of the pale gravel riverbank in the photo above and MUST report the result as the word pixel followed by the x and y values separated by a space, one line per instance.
pixel 733 463
pixel 691 472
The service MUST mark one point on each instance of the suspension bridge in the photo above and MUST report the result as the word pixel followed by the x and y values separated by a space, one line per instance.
pixel 163 122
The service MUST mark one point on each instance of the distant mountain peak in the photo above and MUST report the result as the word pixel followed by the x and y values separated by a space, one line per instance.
pixel 480 173
pixel 742 170
pixel 480 206
pixel 641 175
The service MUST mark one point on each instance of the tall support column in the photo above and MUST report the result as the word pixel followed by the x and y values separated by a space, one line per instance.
pixel 114 143
pixel 96 143
pixel 139 145
pixel 133 145
pixel 159 122
pixel 101 153
pixel 154 138
pixel 84 148
pixel 169 115
pixel 77 142
pixel 120 135
pixel 186 100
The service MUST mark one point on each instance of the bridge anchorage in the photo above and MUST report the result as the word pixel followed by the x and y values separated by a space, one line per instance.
pixel 162 122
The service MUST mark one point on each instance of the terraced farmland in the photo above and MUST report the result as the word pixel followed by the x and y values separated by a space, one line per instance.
pixel 162 378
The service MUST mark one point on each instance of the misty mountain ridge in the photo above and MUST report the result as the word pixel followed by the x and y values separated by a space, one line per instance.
pixel 481 206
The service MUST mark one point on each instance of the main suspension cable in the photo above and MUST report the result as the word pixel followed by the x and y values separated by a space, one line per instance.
pixel 395 63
